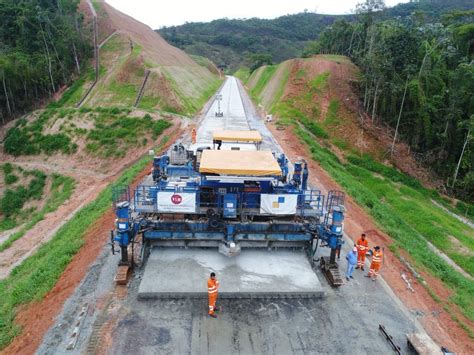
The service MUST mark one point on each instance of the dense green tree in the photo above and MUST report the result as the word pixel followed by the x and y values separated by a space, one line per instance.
pixel 428 65
pixel 258 59
pixel 42 46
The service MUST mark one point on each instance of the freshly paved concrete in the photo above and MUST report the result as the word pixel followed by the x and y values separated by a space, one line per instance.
pixel 181 273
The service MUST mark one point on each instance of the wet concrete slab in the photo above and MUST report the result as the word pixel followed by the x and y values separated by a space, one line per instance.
pixel 183 273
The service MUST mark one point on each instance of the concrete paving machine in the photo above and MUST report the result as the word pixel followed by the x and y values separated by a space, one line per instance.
pixel 228 200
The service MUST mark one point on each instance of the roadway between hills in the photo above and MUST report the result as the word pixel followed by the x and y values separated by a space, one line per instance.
pixel 346 320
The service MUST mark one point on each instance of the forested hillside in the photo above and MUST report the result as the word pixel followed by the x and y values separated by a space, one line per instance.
pixel 417 77
pixel 231 43
pixel 42 45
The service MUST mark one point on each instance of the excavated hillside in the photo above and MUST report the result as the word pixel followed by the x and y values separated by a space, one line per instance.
pixel 128 50
pixel 323 88
pixel 317 116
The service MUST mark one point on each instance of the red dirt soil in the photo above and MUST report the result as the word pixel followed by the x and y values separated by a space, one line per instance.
pixel 437 322
pixel 37 317
pixel 111 20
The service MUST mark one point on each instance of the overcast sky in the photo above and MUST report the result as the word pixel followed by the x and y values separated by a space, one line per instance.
pixel 158 13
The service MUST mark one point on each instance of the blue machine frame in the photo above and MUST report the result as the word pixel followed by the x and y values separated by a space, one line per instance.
pixel 227 210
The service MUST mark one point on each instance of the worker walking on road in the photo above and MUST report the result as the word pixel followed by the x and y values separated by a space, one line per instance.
pixel 193 136
pixel 351 262
pixel 212 287
pixel 362 248
pixel 376 263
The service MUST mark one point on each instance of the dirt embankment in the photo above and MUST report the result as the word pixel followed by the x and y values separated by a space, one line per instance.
pixel 37 317
pixel 128 49
pixel 110 20
pixel 91 175
pixel 355 127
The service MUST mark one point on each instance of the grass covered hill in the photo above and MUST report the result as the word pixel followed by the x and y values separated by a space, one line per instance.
pixel 128 51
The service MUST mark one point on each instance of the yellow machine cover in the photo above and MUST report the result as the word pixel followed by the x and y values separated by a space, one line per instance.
pixel 237 136
pixel 239 162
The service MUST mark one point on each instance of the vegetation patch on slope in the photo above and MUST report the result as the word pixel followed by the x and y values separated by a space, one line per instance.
pixel 264 76
pixel 28 196
pixel 243 73
pixel 304 107
pixel 105 132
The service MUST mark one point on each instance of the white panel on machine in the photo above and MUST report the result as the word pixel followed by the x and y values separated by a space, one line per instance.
pixel 278 204
pixel 180 202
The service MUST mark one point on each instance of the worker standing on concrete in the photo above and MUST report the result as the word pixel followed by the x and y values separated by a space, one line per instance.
pixel 362 247
pixel 193 136
pixel 212 287
pixel 351 262
pixel 376 263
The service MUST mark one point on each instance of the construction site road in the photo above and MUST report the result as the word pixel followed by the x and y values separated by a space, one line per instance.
pixel 346 320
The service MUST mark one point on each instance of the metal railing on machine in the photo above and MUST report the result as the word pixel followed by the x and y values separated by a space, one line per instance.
pixel 310 203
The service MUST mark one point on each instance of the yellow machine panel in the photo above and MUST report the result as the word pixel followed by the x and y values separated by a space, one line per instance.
pixel 239 162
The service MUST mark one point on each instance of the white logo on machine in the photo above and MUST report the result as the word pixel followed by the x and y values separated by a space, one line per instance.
pixel 176 199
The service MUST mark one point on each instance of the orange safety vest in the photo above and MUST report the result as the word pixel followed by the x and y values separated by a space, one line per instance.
pixel 377 257
pixel 362 245
pixel 212 286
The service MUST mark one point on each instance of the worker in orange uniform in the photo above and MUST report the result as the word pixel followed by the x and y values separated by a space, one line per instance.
pixel 376 263
pixel 362 245
pixel 193 136
pixel 212 287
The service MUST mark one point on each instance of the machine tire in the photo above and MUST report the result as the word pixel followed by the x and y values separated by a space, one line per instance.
pixel 213 223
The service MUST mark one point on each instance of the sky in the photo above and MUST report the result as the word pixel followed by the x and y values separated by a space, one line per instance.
pixel 159 13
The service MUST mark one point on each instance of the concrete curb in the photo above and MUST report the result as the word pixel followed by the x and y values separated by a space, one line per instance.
pixel 232 295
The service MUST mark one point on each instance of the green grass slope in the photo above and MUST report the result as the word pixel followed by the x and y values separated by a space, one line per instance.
pixel 398 203
pixel 177 83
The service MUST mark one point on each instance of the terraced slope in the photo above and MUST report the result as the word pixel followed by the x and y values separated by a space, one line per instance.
pixel 128 49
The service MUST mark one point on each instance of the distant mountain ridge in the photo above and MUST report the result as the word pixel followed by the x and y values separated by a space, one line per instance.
pixel 228 42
